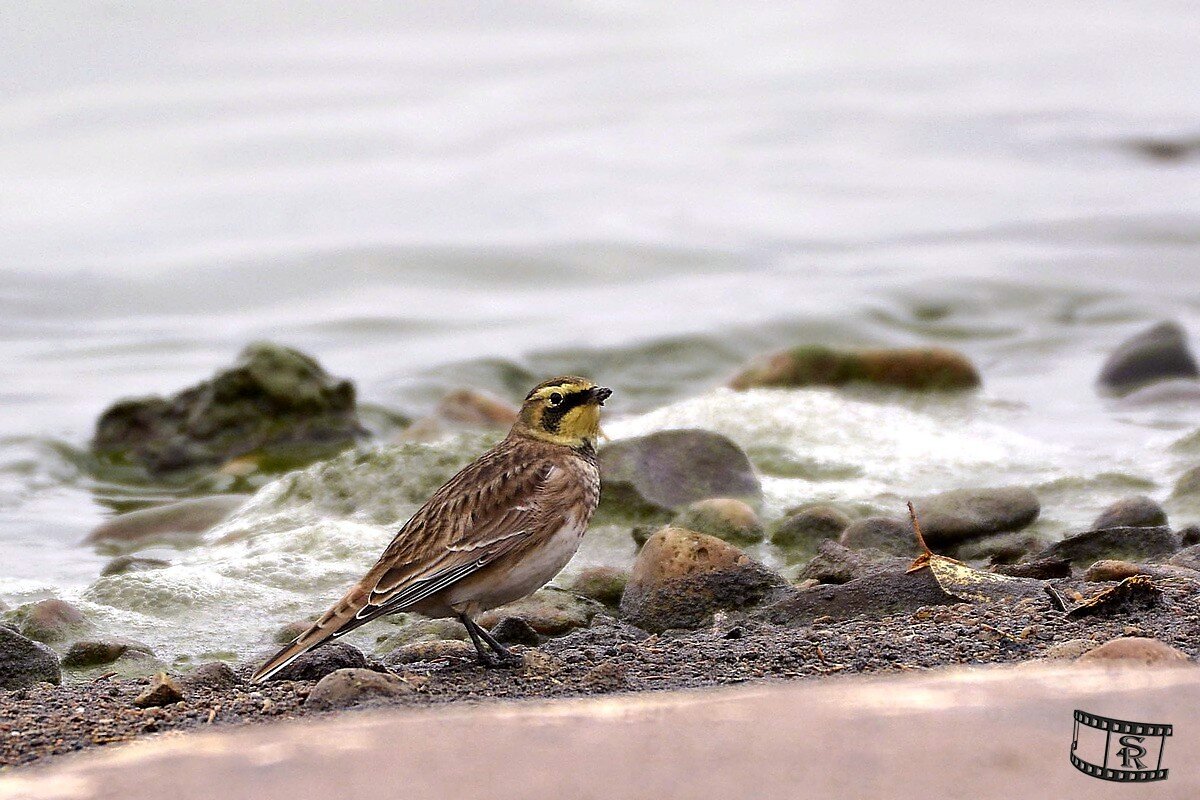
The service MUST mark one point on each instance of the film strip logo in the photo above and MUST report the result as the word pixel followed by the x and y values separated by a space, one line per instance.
pixel 1117 750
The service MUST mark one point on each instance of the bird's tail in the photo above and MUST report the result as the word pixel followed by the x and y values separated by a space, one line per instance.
pixel 334 622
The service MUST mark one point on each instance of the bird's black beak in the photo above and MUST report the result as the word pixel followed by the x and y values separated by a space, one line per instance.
pixel 600 394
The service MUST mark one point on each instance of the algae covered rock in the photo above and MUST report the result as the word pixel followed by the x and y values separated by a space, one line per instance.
pixel 671 469
pixel 275 400
pixel 886 534
pixel 51 620
pixel 1156 354
pixel 919 369
pixel 549 611
pixel 681 578
pixel 602 584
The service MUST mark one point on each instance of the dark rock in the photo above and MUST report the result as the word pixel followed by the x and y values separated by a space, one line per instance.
pixel 1137 511
pixel 681 577
pixel 162 691
pixel 806 527
pixel 920 369
pixel 89 653
pixel 1131 595
pixel 722 517
pixel 24 662
pixel 49 620
pixel 274 400
pixel 1189 535
pixel 350 687
pixel 1136 650
pixel 1156 354
pixel 670 469
pixel 124 564
pixel 835 563
pixel 1044 570
pixel 215 675
pixel 316 664
pixel 881 533
pixel 514 630
pixel 549 611
pixel 1161 148
pixel 192 516
pixel 873 595
pixel 602 584
pixel 964 513
pixel 1121 544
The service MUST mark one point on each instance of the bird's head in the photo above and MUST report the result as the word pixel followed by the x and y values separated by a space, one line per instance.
pixel 564 411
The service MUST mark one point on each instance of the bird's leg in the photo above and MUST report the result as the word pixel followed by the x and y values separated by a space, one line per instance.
pixel 503 656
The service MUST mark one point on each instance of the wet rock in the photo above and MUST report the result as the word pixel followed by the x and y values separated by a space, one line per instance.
pixel 122 565
pixel 881 533
pixel 1137 511
pixel 722 517
pixel 291 630
pixel 316 664
pixel 1043 570
pixel 806 527
pixel 1120 544
pixel 274 400
pixel 215 675
pixel 920 369
pixel 964 513
pixel 351 687
pixel 49 620
pixel 431 651
pixel 835 563
pixel 873 595
pixel 89 653
pixel 24 662
pixel 514 630
pixel 602 584
pixel 681 577
pixel 670 469
pixel 1156 354
pixel 549 611
pixel 162 691
pixel 192 516
pixel 999 548
pixel 1135 650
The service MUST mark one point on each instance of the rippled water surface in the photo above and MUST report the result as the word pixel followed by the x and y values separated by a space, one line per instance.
pixel 433 195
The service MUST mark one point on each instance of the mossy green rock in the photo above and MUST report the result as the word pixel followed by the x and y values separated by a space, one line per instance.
pixel 549 611
pixel 602 584
pixel 49 621
pixel 93 652
pixel 722 517
pixel 807 527
pixel 920 369
pixel 274 401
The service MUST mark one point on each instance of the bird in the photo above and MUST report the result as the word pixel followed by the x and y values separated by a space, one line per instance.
pixel 497 531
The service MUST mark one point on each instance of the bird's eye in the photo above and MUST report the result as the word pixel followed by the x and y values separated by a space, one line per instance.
pixel 555 398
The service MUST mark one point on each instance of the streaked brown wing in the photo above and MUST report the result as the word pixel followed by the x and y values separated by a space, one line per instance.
pixel 481 513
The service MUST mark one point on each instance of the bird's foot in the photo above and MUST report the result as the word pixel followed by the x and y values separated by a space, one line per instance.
pixel 506 660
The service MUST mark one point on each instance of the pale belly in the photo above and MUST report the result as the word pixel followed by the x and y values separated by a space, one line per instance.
pixel 508 579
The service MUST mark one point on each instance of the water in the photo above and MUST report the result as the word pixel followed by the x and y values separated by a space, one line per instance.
pixel 427 196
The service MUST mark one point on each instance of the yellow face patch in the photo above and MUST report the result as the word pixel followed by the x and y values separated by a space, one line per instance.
pixel 564 411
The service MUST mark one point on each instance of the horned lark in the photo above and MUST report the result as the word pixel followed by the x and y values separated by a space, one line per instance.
pixel 496 532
